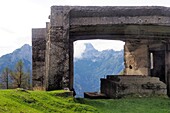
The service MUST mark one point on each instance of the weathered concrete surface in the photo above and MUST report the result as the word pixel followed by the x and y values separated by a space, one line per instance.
pixel 93 15
pixel 136 58
pixel 59 52
pixel 167 68
pixel 140 27
pixel 58 59
pixel 120 86
pixel 38 59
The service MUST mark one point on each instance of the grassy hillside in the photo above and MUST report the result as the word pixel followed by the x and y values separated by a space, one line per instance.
pixel 17 101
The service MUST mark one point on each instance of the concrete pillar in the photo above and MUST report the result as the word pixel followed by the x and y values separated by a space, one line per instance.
pixel 38 59
pixel 136 57
pixel 71 66
pixel 167 75
pixel 58 52
pixel 47 54
pixel 168 84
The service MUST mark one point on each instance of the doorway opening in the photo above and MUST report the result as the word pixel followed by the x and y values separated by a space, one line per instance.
pixel 157 62
pixel 94 59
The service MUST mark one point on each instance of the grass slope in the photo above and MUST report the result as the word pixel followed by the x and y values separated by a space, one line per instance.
pixel 17 101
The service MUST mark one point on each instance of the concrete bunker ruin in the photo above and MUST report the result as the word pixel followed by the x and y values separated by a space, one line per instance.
pixel 145 31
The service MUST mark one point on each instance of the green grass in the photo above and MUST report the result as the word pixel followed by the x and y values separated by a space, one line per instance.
pixel 130 105
pixel 17 101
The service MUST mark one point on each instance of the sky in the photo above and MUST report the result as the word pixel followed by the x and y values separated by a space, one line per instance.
pixel 18 17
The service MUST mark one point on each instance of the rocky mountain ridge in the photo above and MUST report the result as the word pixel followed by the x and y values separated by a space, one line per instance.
pixel 94 65
pixel 24 53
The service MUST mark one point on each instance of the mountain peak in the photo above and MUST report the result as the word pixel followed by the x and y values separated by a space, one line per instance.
pixel 89 51
pixel 26 45
pixel 24 53
pixel 89 47
pixel 24 49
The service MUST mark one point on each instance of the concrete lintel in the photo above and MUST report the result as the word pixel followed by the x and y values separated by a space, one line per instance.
pixel 103 13
pixel 113 11
pixel 157 20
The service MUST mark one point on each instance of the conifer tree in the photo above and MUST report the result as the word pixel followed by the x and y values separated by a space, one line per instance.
pixel 5 77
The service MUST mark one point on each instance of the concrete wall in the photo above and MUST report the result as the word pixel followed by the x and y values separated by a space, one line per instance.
pixel 58 55
pixel 38 59
pixel 167 75
pixel 58 59
pixel 136 57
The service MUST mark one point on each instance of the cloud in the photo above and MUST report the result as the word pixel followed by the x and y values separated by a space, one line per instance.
pixel 3 29
pixel 107 44
pixel 79 48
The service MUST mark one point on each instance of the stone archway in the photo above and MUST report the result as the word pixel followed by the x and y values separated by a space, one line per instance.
pixel 141 28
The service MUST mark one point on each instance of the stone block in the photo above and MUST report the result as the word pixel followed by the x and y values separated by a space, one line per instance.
pixel 120 86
